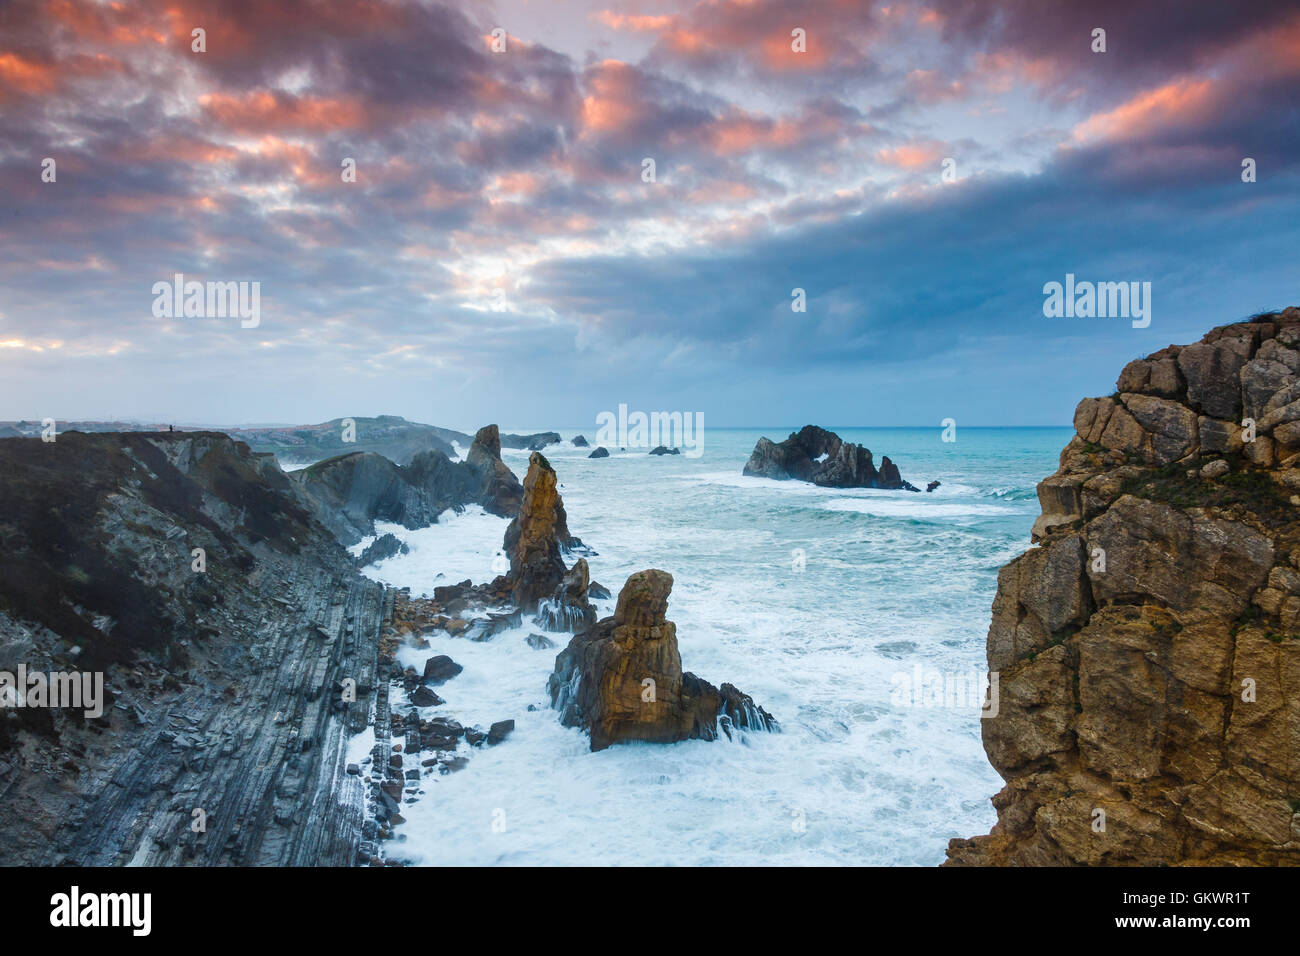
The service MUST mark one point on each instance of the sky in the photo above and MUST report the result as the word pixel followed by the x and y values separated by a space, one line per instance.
pixel 920 170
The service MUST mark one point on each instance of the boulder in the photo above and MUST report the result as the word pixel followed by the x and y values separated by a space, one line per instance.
pixel 440 669
pixel 499 732
pixel 423 697
pixel 664 450
pixel 600 452
pixel 622 679
pixel 383 548
pixel 580 441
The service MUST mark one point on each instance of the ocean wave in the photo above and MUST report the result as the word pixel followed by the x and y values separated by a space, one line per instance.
pixel 913 508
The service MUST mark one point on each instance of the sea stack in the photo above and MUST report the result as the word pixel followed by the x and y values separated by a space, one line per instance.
pixel 622 679
pixel 1148 649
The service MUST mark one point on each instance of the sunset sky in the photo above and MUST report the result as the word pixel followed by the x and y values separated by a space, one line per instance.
pixel 499 257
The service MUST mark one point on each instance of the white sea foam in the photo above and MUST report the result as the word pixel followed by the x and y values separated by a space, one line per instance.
pixel 912 507
pixel 459 546
pixel 875 783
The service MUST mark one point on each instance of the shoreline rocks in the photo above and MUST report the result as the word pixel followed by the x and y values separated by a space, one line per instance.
pixel 349 493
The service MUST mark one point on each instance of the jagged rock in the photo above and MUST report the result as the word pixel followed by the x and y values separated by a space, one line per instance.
pixel 622 680
pixel 598 592
pixel 600 452
pixel 349 493
pixel 536 537
pixel 440 669
pixel 817 455
pixel 499 732
pixel 580 441
pixel 1148 649
pixel 664 450
pixel 499 490
pixel 933 485
pixel 534 442
pixel 568 608
pixel 539 642
pixel 381 549
pixel 423 697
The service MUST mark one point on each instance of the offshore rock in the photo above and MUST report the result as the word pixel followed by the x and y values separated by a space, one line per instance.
pixel 817 455
pixel 622 680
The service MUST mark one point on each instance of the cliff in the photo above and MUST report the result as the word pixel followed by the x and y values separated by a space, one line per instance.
pixel 348 494
pixel 1148 649
pixel 223 723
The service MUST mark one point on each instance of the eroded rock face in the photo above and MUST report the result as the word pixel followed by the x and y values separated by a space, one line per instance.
pixel 499 490
pixel 622 680
pixel 223 683
pixel 349 493
pixel 535 539
pixel 817 455
pixel 1149 649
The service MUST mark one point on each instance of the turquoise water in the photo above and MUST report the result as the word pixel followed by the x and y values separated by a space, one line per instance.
pixel 891 581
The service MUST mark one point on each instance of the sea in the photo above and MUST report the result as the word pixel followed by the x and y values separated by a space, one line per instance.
pixel 856 617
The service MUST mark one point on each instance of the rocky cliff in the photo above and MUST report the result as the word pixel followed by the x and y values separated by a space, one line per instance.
pixel 225 620
pixel 348 494
pixel 820 456
pixel 1148 649
pixel 622 679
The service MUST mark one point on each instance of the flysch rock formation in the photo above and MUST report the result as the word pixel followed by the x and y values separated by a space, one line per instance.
pixel 820 456
pixel 349 493
pixel 223 739
pixel 622 680
pixel 1148 649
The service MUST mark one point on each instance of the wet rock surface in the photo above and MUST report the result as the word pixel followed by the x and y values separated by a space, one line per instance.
pixel 1148 649
pixel 622 679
